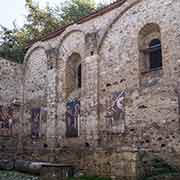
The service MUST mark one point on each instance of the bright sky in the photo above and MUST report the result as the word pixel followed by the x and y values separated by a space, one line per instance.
pixel 11 10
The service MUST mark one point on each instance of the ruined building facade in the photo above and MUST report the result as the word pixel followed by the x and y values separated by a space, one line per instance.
pixel 98 92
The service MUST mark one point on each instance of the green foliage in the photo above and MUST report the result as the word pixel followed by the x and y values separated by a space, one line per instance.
pixel 88 178
pixel 39 22
pixel 11 47
pixel 73 10
pixel 12 175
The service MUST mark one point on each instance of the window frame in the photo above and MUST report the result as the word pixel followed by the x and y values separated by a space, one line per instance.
pixel 146 57
pixel 78 80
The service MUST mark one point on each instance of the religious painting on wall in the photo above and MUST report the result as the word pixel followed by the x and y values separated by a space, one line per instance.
pixel 35 124
pixel 178 98
pixel 72 118
pixel 7 120
pixel 115 114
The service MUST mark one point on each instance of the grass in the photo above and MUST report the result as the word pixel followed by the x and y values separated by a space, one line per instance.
pixel 88 178
pixel 12 175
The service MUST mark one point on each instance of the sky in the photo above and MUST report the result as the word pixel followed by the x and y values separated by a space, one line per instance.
pixel 14 10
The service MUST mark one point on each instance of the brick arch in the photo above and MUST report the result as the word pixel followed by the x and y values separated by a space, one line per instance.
pixel 66 36
pixel 150 56
pixel 115 20
pixel 30 52
pixel 148 29
pixel 25 70
pixel 28 55
pixel 34 89
pixel 71 72
pixel 62 60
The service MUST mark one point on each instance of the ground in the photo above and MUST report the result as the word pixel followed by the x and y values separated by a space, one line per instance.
pixel 12 175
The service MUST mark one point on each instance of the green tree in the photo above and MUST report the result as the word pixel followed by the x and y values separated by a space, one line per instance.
pixel 73 10
pixel 11 47
pixel 39 22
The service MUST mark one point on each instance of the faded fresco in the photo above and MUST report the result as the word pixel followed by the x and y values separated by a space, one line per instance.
pixel 178 97
pixel 115 114
pixel 7 120
pixel 35 125
pixel 72 118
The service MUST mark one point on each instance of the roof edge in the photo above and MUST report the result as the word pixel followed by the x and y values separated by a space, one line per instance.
pixel 83 19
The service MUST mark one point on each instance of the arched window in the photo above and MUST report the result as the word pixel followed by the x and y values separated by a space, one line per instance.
pixel 155 54
pixel 73 73
pixel 150 55
pixel 73 84
pixel 79 76
pixel 150 48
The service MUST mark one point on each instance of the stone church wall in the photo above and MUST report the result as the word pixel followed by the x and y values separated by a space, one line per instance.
pixel 151 108
pixel 35 102
pixel 11 85
pixel 10 103
pixel 111 50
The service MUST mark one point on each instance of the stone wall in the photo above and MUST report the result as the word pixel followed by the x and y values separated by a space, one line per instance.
pixel 108 47
pixel 117 68
pixel 110 50
pixel 10 82
pixel 113 163
pixel 10 107
pixel 151 110
pixel 35 101
pixel 84 41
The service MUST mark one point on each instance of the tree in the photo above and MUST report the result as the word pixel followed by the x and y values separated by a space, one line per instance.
pixel 11 46
pixel 39 22
pixel 73 10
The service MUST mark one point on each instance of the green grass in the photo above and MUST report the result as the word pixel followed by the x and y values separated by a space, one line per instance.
pixel 162 175
pixel 12 175
pixel 88 178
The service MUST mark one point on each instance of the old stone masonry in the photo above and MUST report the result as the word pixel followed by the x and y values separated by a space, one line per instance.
pixel 101 95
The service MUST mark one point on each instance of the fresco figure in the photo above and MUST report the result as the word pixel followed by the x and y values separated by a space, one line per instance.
pixel 118 111
pixel 115 114
pixel 35 125
pixel 7 120
pixel 72 118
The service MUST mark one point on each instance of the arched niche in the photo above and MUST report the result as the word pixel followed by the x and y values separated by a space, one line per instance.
pixel 35 74
pixel 150 54
pixel 73 73
pixel 35 95
pixel 66 52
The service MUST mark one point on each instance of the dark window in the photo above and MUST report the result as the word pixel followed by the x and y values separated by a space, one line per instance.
pixel 155 54
pixel 79 76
